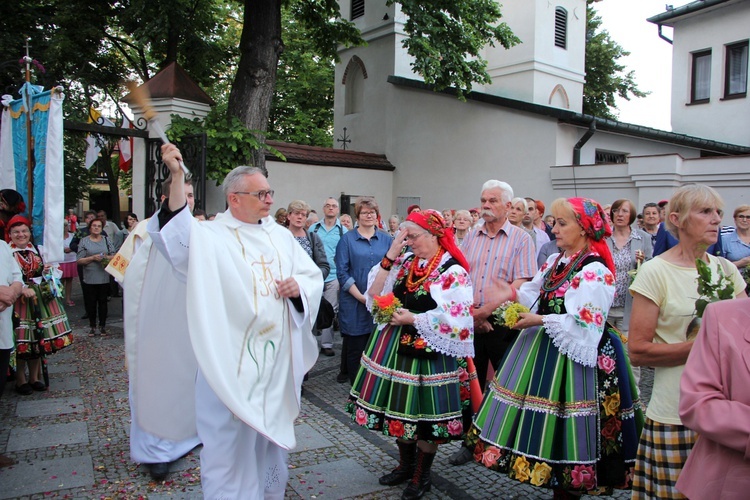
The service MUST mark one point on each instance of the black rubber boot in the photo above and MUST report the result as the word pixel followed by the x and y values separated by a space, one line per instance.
pixel 407 457
pixel 420 483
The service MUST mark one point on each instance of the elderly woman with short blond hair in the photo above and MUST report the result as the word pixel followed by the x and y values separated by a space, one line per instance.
pixel 662 330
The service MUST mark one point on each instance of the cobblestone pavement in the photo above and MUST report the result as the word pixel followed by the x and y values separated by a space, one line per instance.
pixel 72 441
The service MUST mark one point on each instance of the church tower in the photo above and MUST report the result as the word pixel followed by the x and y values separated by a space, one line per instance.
pixel 546 68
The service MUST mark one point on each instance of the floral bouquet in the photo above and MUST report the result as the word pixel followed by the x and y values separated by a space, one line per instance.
pixel 383 307
pixel 708 292
pixel 508 313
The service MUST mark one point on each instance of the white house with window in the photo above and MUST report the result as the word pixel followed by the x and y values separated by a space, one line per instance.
pixel 709 69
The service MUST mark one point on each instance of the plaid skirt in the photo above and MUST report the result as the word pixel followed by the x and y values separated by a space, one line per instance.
pixel 410 397
pixel 662 452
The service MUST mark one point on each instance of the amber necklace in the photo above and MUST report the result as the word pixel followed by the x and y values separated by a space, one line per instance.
pixel 422 273
pixel 555 278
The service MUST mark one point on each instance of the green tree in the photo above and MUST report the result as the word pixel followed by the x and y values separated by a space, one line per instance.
pixel 605 77
pixel 302 107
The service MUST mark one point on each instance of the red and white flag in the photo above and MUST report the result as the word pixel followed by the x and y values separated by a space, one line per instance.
pixel 126 147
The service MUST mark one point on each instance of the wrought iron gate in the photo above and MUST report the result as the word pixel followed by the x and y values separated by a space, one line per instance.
pixel 193 149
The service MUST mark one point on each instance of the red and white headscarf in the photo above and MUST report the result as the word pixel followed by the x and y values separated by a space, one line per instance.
pixel 590 217
pixel 432 221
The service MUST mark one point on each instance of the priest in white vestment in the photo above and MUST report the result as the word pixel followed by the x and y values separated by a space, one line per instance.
pixel 158 351
pixel 252 298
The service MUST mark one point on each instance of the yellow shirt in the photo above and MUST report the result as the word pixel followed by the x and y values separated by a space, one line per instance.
pixel 674 289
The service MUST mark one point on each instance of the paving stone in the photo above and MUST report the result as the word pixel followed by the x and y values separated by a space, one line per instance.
pixel 53 367
pixel 66 383
pixel 54 406
pixel 121 400
pixel 47 435
pixel 333 480
pixel 39 476
pixel 309 439
pixel 186 495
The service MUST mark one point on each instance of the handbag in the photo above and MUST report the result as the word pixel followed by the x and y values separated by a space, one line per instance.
pixel 325 315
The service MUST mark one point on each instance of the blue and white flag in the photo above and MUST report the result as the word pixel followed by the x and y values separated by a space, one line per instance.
pixel 47 140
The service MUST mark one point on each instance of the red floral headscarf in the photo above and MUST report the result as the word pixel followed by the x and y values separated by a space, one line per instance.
pixel 433 222
pixel 14 221
pixel 590 217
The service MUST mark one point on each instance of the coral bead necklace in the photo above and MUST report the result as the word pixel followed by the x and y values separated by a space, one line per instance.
pixel 422 273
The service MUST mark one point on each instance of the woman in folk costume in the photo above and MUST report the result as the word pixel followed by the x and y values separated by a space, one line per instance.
pixel 563 410
pixel 413 383
pixel 43 326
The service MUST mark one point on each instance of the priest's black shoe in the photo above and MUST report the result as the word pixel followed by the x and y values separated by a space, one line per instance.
pixel 158 471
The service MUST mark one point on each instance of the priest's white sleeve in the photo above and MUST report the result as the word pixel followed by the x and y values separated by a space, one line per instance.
pixel 173 240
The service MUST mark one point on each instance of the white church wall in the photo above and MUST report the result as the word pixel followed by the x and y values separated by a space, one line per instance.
pixel 313 184
pixel 364 128
pixel 719 119
pixel 652 178
pixel 616 143
pixel 445 149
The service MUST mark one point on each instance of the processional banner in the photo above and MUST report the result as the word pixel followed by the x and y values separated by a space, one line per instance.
pixel 46 117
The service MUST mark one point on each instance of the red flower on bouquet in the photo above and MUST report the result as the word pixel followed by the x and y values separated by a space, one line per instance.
pixel 383 307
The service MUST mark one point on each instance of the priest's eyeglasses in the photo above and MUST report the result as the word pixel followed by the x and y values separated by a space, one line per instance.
pixel 260 194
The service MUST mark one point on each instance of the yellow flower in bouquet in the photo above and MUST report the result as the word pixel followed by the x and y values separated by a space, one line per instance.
pixel 383 307
pixel 508 313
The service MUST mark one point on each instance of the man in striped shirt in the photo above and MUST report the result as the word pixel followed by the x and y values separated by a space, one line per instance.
pixel 496 250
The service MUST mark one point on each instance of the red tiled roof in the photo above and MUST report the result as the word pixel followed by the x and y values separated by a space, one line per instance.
pixel 173 81
pixel 314 155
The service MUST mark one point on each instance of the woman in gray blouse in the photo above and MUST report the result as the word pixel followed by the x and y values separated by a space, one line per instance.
pixel 630 247
pixel 94 253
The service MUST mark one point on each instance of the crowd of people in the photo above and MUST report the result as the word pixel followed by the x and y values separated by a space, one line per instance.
pixel 548 397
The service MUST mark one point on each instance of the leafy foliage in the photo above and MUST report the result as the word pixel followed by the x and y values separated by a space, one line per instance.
pixel 604 75
pixel 446 38
pixel 229 143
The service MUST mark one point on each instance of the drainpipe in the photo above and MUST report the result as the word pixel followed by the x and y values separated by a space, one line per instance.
pixel 577 148
pixel 662 36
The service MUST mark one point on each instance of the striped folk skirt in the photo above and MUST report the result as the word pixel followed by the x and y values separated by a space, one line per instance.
pixel 555 423
pixel 410 397
pixel 42 326
pixel 662 452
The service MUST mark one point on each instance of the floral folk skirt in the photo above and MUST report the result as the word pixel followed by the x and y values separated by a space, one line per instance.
pixel 555 423
pixel 41 327
pixel 410 397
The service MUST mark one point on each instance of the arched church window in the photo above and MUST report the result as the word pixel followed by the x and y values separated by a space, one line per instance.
pixel 561 27
pixel 354 85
